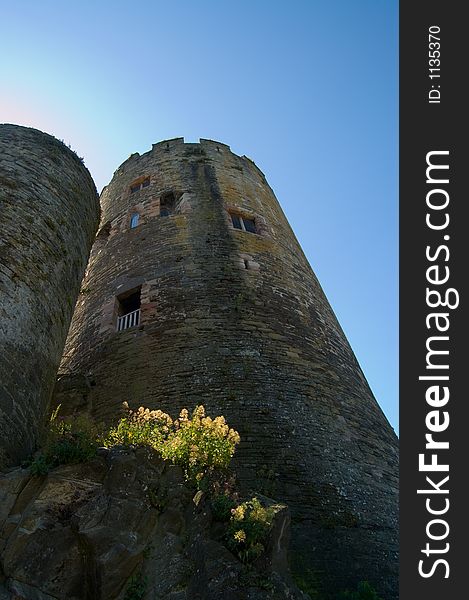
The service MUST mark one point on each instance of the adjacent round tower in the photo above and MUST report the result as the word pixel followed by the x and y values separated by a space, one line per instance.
pixel 197 292
pixel 49 215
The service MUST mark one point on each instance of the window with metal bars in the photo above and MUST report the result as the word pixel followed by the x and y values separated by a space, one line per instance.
pixel 128 309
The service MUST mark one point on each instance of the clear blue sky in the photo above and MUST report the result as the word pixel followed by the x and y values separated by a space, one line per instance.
pixel 308 89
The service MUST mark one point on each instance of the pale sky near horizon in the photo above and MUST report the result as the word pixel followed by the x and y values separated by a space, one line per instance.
pixel 308 89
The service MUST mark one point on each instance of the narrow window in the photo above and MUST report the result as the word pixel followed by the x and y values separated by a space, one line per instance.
pixel 134 220
pixel 243 223
pixel 128 310
pixel 236 221
pixel 167 204
pixel 139 184
pixel 249 225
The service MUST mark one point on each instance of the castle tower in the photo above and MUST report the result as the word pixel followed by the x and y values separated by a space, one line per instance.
pixel 197 292
pixel 49 214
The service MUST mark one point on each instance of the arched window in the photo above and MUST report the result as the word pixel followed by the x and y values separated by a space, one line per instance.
pixel 134 220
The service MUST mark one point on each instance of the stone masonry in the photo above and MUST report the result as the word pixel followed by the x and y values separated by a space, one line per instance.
pixel 232 317
pixel 49 214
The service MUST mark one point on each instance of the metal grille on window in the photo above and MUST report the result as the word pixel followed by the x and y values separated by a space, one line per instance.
pixel 129 320
pixel 128 310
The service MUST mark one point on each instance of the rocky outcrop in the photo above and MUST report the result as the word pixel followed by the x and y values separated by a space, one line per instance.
pixel 126 526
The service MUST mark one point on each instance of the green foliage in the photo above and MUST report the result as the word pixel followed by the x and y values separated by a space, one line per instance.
pixel 364 592
pixel 68 440
pixel 136 587
pixel 249 525
pixel 198 443
pixel 222 505
pixel 39 466
pixel 143 427
pixel 71 439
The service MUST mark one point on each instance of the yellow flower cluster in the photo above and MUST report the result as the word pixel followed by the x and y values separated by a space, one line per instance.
pixel 238 512
pixel 248 529
pixel 155 417
pixel 217 426
pixel 240 536
pixel 196 442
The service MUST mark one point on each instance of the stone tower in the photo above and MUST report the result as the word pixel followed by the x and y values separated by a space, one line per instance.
pixel 197 292
pixel 49 214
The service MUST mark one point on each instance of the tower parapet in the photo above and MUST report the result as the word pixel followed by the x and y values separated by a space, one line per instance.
pixel 197 292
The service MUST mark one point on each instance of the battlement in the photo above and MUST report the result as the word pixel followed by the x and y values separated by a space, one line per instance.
pixel 179 144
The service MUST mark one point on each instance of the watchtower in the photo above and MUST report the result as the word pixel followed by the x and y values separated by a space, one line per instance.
pixel 197 292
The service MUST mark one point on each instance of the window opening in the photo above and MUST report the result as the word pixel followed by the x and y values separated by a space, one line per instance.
pixel 167 204
pixel 243 223
pixel 249 225
pixel 134 220
pixel 139 184
pixel 236 221
pixel 128 310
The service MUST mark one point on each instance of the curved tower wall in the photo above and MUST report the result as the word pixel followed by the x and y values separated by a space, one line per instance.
pixel 49 214
pixel 237 321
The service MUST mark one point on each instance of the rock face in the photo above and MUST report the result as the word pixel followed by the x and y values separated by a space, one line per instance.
pixel 91 531
pixel 228 314
pixel 49 211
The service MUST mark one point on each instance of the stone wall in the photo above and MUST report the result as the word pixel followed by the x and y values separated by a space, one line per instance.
pixel 49 212
pixel 237 321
